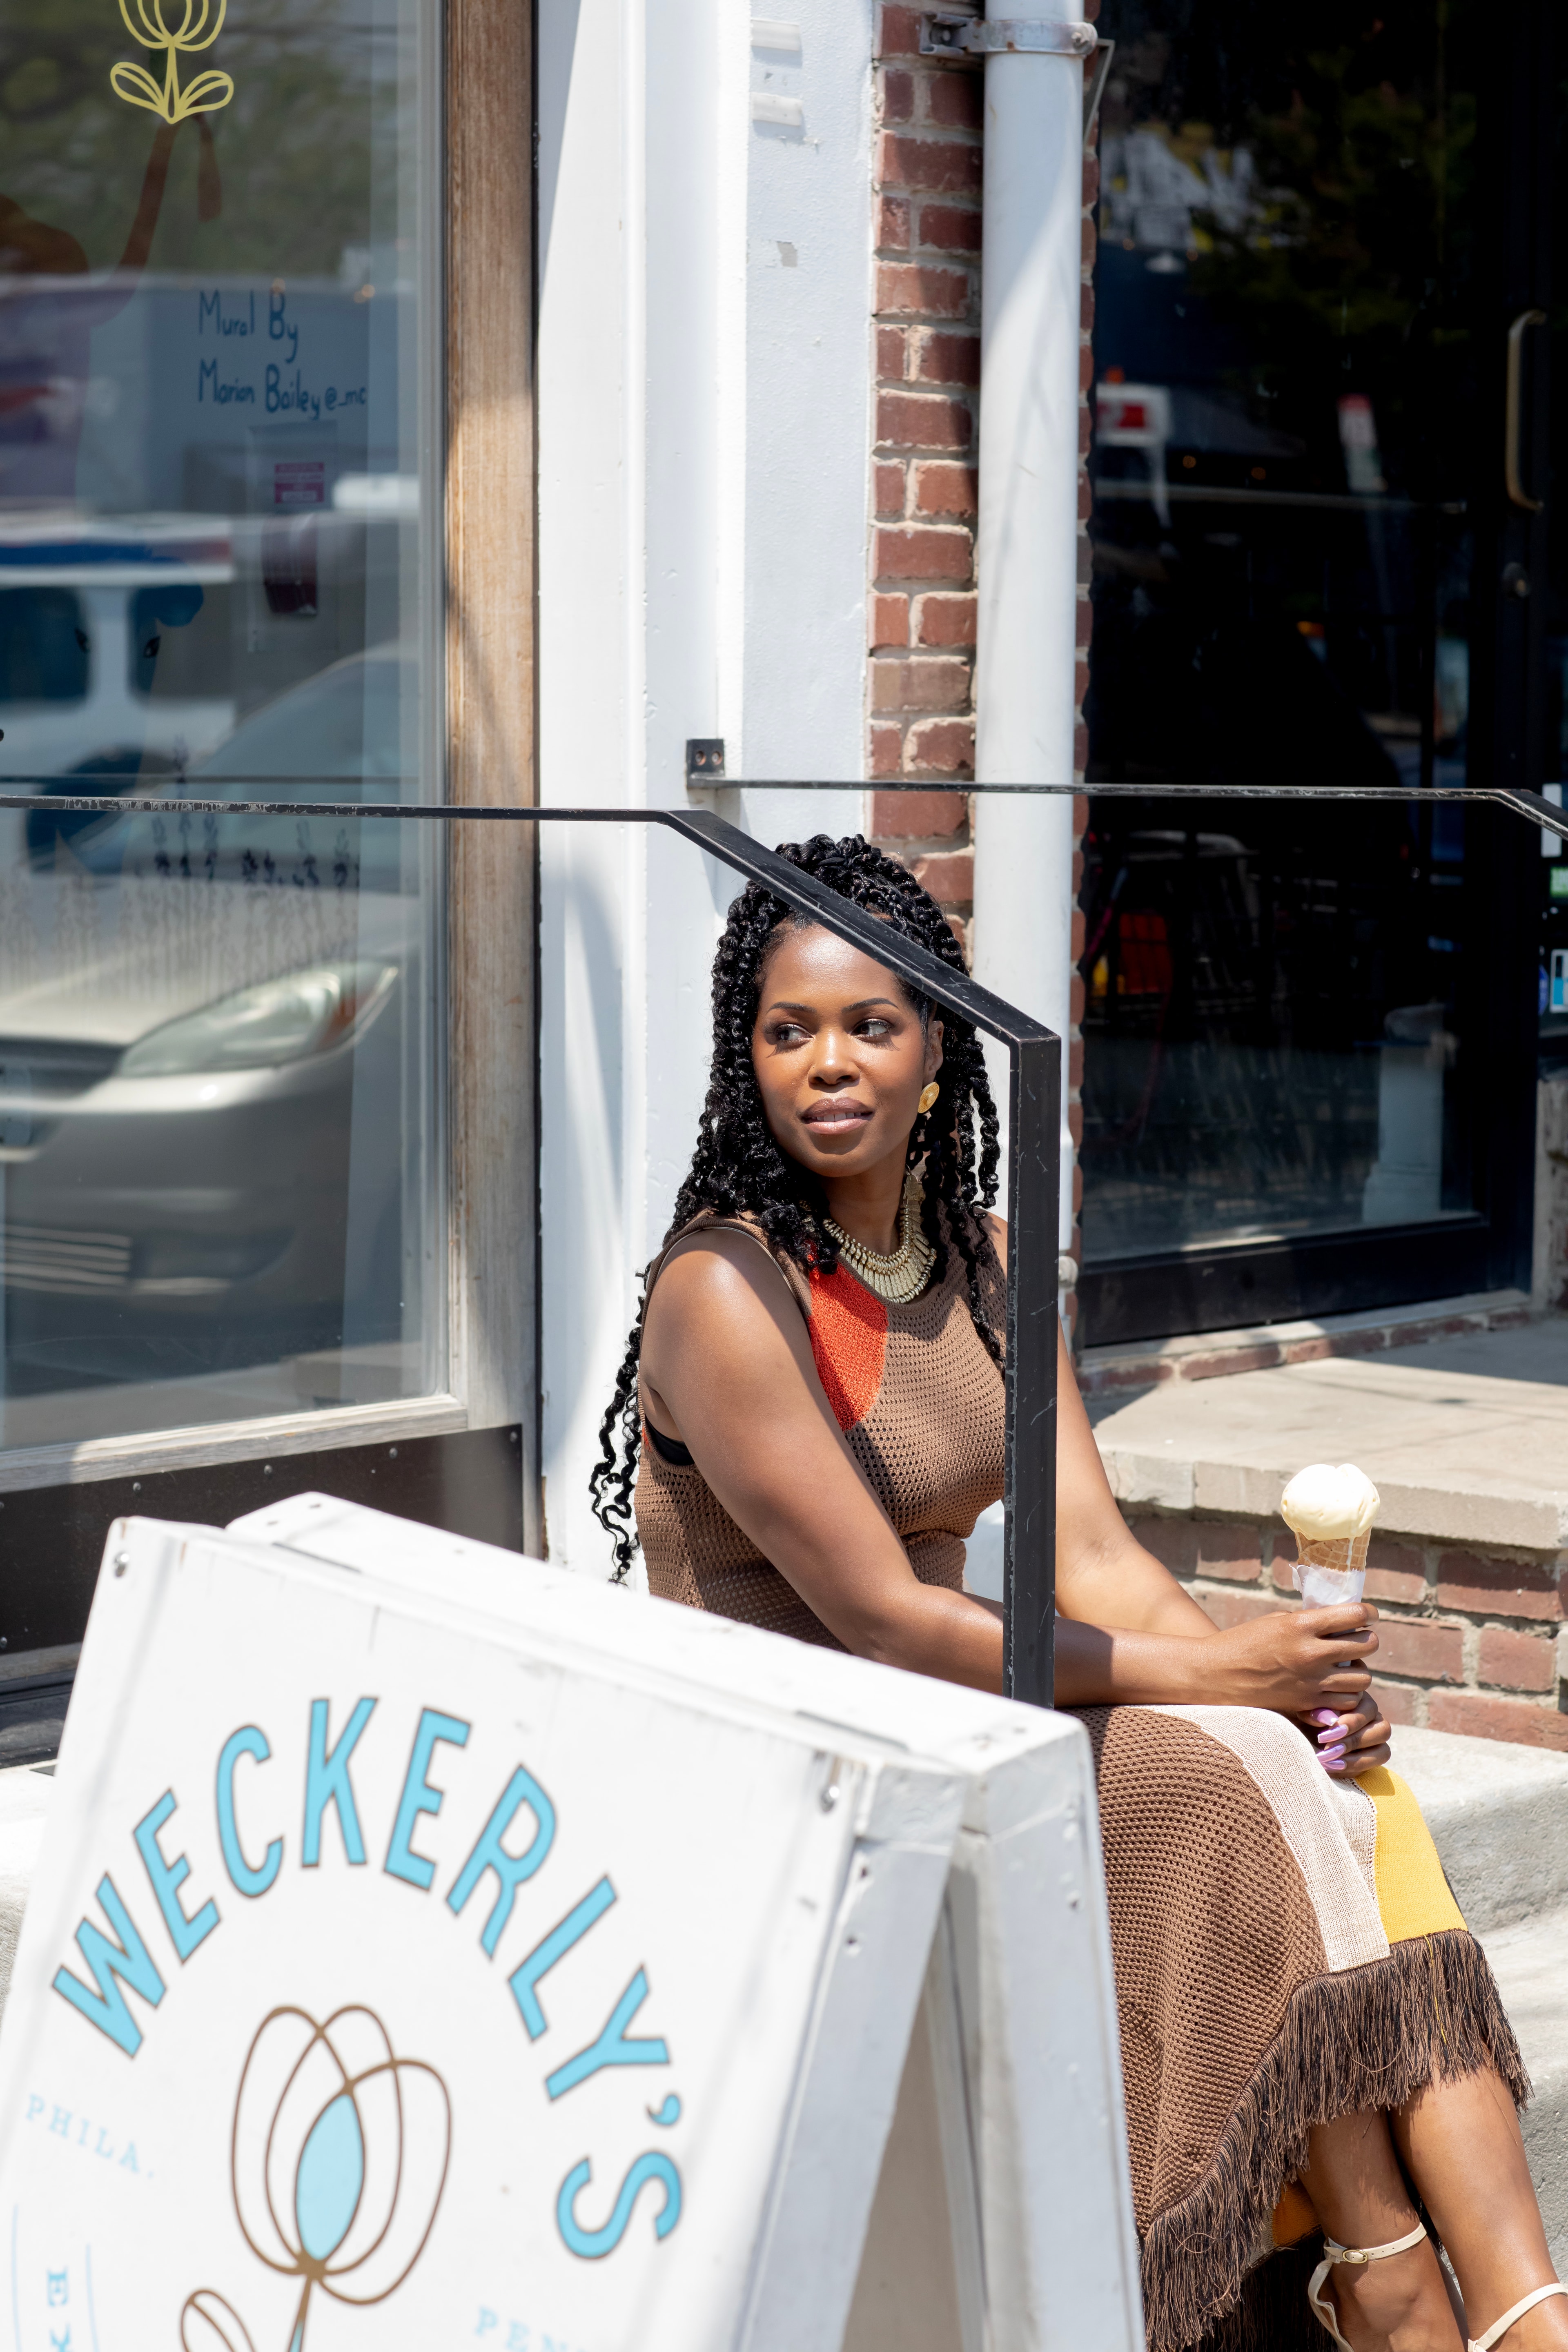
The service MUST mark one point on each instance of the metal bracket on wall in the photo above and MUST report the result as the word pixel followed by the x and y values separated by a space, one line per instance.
pixel 1095 77
pixel 961 38
pixel 704 760
pixel 986 36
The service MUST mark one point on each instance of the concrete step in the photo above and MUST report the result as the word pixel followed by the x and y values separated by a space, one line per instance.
pixel 25 1793
pixel 1530 1962
pixel 1500 1817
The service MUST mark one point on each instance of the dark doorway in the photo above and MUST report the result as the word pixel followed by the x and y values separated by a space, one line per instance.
pixel 1311 1029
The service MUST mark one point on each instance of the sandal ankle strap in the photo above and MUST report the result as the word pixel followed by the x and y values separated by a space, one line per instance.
pixel 1499 2328
pixel 1333 2253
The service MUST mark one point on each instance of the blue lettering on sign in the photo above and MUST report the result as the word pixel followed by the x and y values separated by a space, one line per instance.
pixel 119 1960
pixel 327 1783
pixel 593 2244
pixel 129 1959
pixel 60 2122
pixel 168 1877
pixel 418 1797
pixel 610 2046
pixel 555 1946
pixel 510 1869
pixel 519 2336
pixel 247 1742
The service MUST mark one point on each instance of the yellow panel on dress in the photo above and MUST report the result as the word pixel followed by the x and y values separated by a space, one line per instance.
pixel 1414 1898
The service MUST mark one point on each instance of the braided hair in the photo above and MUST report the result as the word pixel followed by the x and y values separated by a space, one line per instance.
pixel 739 1169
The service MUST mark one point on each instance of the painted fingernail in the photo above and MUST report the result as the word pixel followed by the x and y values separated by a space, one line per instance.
pixel 1331 1761
pixel 1323 1715
pixel 1331 1738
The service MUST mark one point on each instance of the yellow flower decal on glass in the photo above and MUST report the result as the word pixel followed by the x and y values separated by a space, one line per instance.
pixel 137 86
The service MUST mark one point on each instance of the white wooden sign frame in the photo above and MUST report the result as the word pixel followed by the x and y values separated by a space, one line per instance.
pixel 429 1946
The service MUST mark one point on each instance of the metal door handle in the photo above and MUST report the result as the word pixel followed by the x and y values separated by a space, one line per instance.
pixel 1515 489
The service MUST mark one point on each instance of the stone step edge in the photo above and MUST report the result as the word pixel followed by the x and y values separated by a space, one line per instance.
pixel 1516 1953
pixel 1262 1347
pixel 1484 1515
pixel 1497 1811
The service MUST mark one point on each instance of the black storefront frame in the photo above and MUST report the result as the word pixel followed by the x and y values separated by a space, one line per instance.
pixel 1227 1284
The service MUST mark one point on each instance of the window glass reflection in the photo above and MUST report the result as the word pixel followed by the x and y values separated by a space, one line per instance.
pixel 1284 464
pixel 218 1098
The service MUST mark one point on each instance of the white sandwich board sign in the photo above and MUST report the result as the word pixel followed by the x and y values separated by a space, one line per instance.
pixel 430 1948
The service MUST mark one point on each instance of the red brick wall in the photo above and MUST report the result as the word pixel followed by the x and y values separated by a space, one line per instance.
pixel 926 330
pixel 926 334
pixel 1467 1642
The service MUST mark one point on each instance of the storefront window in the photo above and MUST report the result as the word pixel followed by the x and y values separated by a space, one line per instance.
pixel 1292 462
pixel 219 1096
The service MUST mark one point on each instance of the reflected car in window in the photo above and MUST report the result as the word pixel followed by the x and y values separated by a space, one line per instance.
pixel 204 1037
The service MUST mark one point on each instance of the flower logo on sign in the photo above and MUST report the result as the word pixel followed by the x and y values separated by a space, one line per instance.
pixel 338 2161
pixel 137 86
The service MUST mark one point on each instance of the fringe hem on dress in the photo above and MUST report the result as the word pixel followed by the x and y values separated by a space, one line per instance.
pixel 1365 2037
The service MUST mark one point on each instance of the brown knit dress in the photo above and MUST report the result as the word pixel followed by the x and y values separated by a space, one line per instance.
pixel 920 1402
pixel 1287 1948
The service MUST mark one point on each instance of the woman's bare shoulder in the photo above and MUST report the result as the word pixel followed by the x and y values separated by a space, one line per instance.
pixel 997 1228
pixel 720 1273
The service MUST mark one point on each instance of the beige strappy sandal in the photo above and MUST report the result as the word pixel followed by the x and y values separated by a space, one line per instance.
pixel 1333 2254
pixel 1526 2303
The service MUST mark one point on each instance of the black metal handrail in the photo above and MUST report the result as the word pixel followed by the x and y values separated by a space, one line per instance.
pixel 1034 1162
pixel 1034 1169
pixel 1534 807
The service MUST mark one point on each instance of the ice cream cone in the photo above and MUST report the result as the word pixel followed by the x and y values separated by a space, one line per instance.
pixel 1330 1512
pixel 1345 1553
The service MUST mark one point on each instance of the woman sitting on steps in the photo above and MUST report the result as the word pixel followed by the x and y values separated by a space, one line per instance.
pixel 1320 2081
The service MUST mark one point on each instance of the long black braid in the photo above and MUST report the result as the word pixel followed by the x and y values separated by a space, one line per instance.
pixel 738 1167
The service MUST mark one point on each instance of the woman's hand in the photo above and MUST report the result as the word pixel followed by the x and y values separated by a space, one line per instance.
pixel 1350 1741
pixel 1300 1662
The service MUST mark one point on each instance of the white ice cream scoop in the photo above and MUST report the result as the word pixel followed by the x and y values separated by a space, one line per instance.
pixel 1330 1510
pixel 1322 1501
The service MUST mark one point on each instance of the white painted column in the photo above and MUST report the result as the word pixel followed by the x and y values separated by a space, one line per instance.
pixel 1027 550
pixel 704 375
pixel 808 424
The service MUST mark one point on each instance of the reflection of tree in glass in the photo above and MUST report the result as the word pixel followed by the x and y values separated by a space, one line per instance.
pixel 1352 246
pixel 295 142
pixel 1359 156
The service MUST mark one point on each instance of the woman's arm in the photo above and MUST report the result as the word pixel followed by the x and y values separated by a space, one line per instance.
pixel 1128 1633
pixel 727 1367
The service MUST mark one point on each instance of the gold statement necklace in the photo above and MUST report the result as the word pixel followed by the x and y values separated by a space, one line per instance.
pixel 904 1276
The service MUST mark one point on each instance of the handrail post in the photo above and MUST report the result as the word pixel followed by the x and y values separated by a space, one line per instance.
pixel 1034 1172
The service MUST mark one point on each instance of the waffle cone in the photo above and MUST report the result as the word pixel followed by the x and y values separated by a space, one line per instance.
pixel 1344 1552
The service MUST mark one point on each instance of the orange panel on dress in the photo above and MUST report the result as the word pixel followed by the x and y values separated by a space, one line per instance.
pixel 849 1341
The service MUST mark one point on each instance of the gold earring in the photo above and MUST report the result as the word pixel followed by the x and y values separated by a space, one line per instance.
pixel 928 1095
